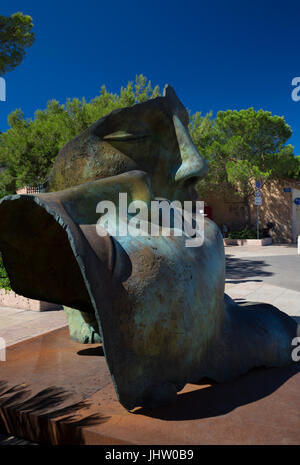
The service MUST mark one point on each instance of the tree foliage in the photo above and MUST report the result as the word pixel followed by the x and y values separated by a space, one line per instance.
pixel 296 171
pixel 240 146
pixel 29 148
pixel 4 279
pixel 15 35
pixel 243 147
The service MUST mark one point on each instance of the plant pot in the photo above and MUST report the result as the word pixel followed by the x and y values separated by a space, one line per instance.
pixel 241 242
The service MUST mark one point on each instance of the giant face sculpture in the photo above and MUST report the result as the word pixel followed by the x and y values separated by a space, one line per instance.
pixel 151 137
pixel 157 306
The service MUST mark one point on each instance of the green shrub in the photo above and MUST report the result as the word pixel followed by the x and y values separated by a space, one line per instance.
pixel 4 279
pixel 245 234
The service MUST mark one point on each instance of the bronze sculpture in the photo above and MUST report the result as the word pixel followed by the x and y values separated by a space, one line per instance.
pixel 158 307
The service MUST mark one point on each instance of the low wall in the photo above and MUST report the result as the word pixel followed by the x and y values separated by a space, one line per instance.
pixel 264 241
pixel 11 299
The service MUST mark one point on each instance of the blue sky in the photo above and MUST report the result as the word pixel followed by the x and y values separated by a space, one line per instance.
pixel 218 55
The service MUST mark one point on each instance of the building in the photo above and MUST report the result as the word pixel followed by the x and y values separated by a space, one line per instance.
pixel 280 206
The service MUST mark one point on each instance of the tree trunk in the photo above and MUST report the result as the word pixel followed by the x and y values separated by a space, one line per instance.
pixel 248 209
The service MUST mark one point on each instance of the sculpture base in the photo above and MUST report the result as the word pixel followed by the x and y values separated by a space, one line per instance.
pixel 61 393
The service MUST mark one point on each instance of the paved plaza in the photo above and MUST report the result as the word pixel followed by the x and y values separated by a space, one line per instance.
pixel 269 274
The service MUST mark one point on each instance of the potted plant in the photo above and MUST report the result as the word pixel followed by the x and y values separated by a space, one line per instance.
pixel 248 236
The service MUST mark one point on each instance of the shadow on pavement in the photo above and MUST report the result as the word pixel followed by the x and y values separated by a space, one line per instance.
pixel 238 281
pixel 92 351
pixel 240 268
pixel 220 399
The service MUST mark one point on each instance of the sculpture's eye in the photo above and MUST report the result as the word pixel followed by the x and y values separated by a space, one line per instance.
pixel 124 136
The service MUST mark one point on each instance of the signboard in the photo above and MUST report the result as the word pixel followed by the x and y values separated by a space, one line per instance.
pixel 286 189
pixel 297 200
pixel 258 200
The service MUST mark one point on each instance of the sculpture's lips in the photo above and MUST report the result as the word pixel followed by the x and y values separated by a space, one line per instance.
pixel 52 269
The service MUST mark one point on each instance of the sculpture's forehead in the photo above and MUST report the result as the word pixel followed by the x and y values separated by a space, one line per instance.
pixel 146 116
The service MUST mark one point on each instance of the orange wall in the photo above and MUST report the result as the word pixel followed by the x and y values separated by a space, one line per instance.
pixel 276 208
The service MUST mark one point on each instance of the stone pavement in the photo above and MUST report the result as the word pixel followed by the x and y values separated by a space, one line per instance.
pixel 19 325
pixel 259 251
pixel 269 274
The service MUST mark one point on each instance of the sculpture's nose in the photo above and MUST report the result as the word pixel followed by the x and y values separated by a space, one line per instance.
pixel 193 165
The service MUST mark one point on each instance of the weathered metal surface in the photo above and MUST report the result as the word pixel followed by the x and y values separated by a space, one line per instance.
pixel 83 327
pixel 159 305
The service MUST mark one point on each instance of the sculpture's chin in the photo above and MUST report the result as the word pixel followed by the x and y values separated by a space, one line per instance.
pixel 193 194
pixel 188 190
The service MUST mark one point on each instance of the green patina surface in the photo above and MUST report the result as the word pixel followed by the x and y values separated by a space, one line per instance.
pixel 157 306
pixel 83 326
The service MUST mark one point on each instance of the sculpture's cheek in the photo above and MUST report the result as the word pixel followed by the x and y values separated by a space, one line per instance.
pixel 173 300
